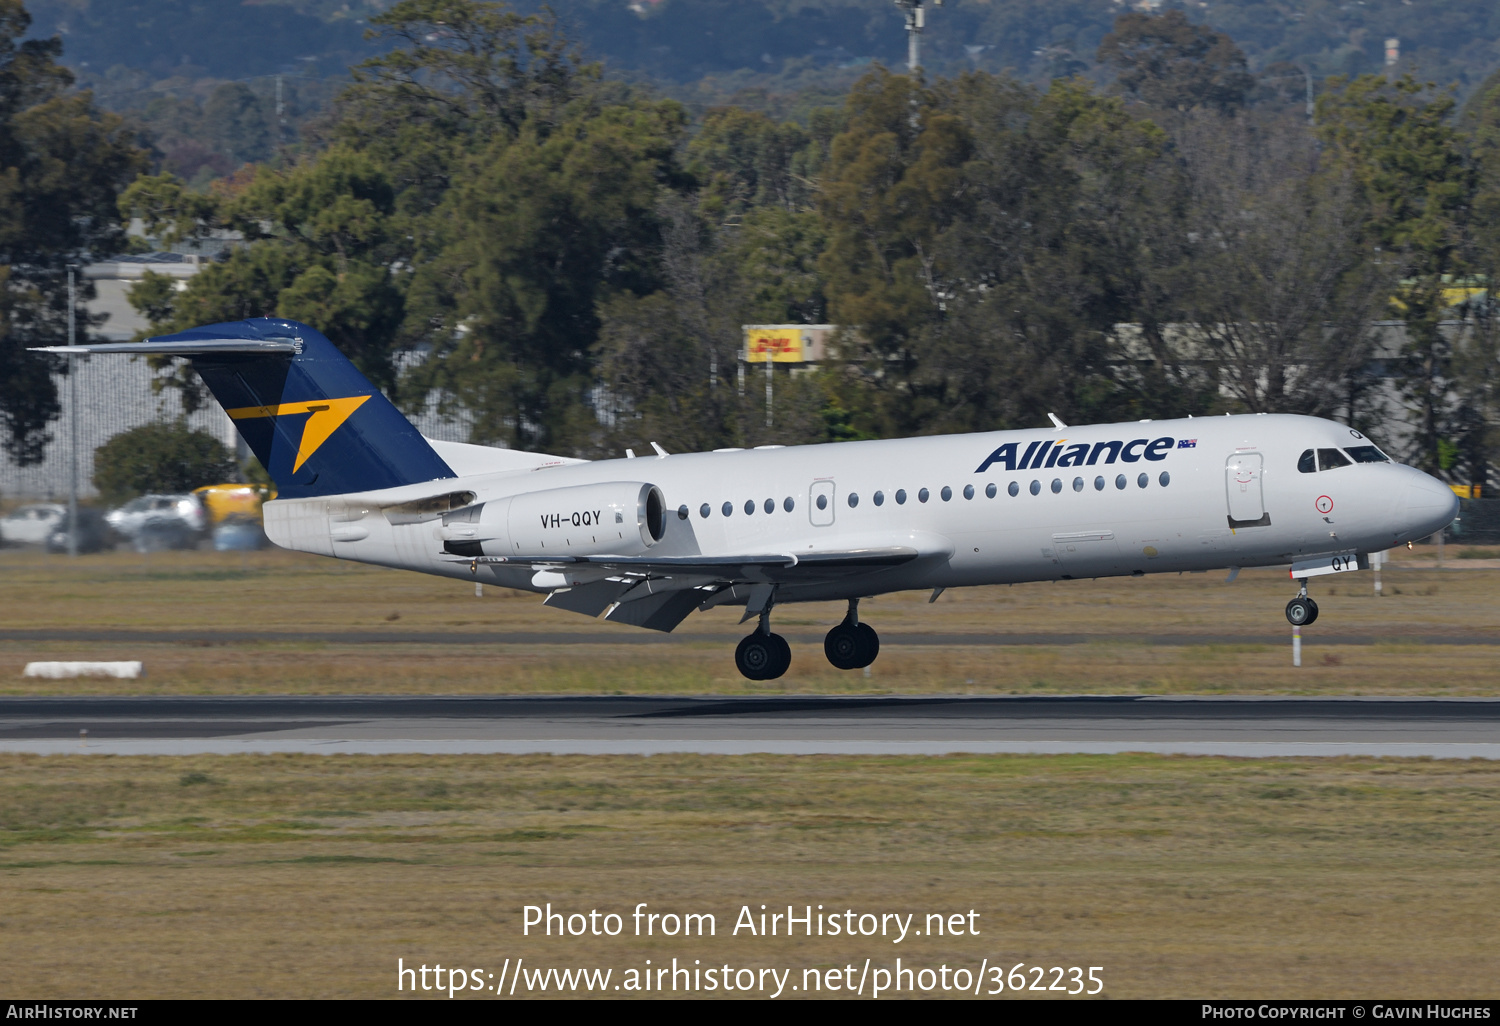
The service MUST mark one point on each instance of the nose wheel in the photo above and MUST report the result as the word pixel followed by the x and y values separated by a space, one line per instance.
pixel 1301 610
pixel 852 645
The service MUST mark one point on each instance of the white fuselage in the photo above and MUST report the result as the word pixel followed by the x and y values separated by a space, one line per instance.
pixel 1224 492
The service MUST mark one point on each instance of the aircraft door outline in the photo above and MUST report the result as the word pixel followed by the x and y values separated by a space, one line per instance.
pixel 1245 491
pixel 820 515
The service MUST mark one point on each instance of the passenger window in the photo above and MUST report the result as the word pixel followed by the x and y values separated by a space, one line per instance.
pixel 703 511
pixel 1098 484
pixel 1056 485
pixel 1143 480
pixel 1164 479
pixel 853 499
pixel 1367 454
pixel 923 495
pixel 1078 484
pixel 788 504
pixel 749 506
pixel 946 493
pixel 1328 459
pixel 728 508
pixel 822 502
pixel 682 512
pixel 901 496
pixel 1305 464
pixel 770 505
pixel 1120 482
pixel 879 498
pixel 1036 488
pixel 990 490
pixel 1014 489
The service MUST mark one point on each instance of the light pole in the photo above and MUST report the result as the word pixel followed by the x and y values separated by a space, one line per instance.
pixel 915 21
pixel 1311 107
pixel 72 414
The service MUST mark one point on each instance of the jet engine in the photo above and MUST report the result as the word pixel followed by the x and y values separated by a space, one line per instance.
pixel 617 519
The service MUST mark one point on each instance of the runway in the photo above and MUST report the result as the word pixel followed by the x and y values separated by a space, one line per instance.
pixel 811 725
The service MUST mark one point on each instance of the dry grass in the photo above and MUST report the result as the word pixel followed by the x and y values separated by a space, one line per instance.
pixel 279 591
pixel 309 876
pixel 1109 667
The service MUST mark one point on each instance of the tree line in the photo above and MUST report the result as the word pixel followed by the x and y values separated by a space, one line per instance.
pixel 574 256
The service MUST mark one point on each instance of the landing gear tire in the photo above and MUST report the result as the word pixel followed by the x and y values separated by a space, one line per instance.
pixel 851 646
pixel 844 645
pixel 763 656
pixel 1301 611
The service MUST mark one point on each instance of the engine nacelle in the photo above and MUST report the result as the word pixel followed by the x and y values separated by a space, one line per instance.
pixel 618 519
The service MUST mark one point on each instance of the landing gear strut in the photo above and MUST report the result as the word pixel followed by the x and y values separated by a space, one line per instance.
pixel 763 655
pixel 1301 610
pixel 852 645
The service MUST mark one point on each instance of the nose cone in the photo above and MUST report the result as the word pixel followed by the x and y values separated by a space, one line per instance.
pixel 1428 506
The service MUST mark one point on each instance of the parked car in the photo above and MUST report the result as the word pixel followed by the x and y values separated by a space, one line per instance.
pixel 152 523
pixel 239 533
pixel 30 525
pixel 93 532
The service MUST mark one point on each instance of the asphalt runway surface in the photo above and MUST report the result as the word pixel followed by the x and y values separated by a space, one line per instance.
pixel 635 636
pixel 1251 727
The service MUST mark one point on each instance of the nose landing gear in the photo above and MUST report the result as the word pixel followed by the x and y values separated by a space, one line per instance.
pixel 852 645
pixel 1301 610
pixel 763 655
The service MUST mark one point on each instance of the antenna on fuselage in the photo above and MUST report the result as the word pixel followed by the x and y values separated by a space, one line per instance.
pixel 1060 425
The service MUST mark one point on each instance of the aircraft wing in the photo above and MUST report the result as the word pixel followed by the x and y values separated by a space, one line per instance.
pixel 770 568
pixel 658 592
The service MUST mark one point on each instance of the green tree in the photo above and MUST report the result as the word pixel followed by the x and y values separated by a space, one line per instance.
pixel 983 242
pixel 536 233
pixel 1169 63
pixel 62 164
pixel 1399 144
pixel 235 123
pixel 160 458
pixel 322 250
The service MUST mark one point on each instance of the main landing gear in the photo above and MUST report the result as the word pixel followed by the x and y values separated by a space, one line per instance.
pixel 1301 610
pixel 852 645
pixel 849 646
pixel 763 655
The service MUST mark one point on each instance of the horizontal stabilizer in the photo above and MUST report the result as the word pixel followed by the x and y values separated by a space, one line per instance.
pixel 189 347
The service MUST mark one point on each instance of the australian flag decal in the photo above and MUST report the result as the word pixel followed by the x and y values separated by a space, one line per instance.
pixel 1187 443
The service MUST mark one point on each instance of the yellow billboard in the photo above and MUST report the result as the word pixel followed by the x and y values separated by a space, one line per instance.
pixel 778 345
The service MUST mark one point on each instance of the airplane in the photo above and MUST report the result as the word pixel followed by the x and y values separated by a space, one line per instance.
pixel 647 540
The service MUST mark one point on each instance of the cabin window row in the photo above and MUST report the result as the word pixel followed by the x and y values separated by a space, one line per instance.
pixel 1121 482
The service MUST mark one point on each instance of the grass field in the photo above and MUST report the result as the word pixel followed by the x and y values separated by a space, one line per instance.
pixel 309 876
pixel 279 591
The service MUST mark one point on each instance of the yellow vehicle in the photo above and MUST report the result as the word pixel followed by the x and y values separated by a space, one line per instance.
pixel 232 500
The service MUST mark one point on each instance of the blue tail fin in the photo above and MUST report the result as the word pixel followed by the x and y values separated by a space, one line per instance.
pixel 314 422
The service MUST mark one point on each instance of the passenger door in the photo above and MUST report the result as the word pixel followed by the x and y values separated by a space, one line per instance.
pixel 820 503
pixel 1242 482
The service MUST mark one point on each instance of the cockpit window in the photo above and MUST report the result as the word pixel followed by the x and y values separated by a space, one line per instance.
pixel 1305 464
pixel 1367 454
pixel 1330 458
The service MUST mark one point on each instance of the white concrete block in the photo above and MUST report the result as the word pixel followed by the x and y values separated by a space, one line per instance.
pixel 124 671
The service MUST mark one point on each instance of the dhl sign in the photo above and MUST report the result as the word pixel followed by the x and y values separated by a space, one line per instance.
pixel 777 345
